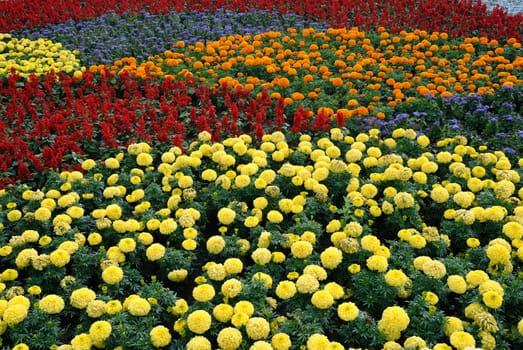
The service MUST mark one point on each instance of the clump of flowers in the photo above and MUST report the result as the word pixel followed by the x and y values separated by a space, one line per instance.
pixel 37 57
pixel 307 240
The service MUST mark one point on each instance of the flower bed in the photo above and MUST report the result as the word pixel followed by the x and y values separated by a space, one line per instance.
pixel 319 239
pixel 211 197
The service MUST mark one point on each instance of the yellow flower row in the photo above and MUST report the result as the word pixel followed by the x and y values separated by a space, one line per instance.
pixel 286 181
pixel 36 57
pixel 342 68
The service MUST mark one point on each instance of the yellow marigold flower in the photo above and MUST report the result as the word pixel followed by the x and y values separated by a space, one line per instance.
pixel 229 338
pixel 261 256
pixel 274 216
pixel 231 288
pixel 491 285
pixel 209 175
pixel 417 241
pixel 34 290
pixel 331 257
pixel 226 216
pixel 403 200
pixel 316 270
pixel 495 213
pixel 317 342
pixel 473 242
pixel 244 245
pixel 257 328
pixel 199 343
pixel 113 307
pixel 99 331
pixel 244 306
pixel 203 292
pixel 95 308
pixel 215 244
pixel 420 177
pixel 155 251
pixel 223 312
pixel 60 257
pixel 177 275
pixel 251 221
pixel 335 290
pixel 392 345
pixel 81 297
pixel 414 342
pixel 14 215
pixel 322 299
pixel 233 265
pixel 75 212
pixel 439 194
pixel 486 321
pixel 216 272
pixel 286 289
pixel 434 268
pixel 513 230
pixel 498 254
pixel 429 167
pixel 452 325
pixel 264 278
pixel 51 304
pixel 112 274
pixel 423 141
pixel 354 268
pixel 457 284
pixel 42 214
pixel 82 341
pixel 260 203
pixel 430 297
pixel 396 278
pixel 145 238
pixel 461 340
pixel 144 159
pixel 160 336
pixel 492 299
pixel 112 163
pixel 199 321
pixel 307 284
pixel 387 207
pixel 301 249
pixel 9 275
pixel 127 245
pixel 281 341
pixel 189 244
pixel 113 211
pixel 88 164
pixel 394 320
pixel 463 199
pixel 474 184
pixel 520 327
pixel 377 263
pixel 370 243
pixel 476 277
pixel 137 306
pixel 348 311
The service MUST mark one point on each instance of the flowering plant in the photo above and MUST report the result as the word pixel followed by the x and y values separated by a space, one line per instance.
pixel 207 198
pixel 304 242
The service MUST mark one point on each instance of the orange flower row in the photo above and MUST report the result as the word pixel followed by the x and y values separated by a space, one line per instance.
pixel 342 68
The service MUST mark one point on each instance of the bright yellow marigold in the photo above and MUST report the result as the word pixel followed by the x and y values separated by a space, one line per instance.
pixel 229 338
pixel 160 336
pixel 199 321
pixel 322 299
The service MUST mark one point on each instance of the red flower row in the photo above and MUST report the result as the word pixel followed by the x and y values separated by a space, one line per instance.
pixel 49 121
pixel 457 18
